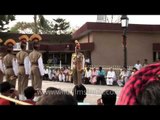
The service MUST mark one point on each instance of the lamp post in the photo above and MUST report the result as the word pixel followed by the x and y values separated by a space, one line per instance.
pixel 124 25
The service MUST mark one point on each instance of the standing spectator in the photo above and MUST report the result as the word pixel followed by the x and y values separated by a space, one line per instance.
pixel 111 77
pixel 101 77
pixel 145 62
pixel 87 76
pixel 138 65
pixel 94 76
pixel 87 61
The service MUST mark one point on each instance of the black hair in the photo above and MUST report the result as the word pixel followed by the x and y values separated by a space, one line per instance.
pixel 4 87
pixel 79 92
pixel 150 95
pixel 60 98
pixel 51 90
pixel 109 97
pixel 29 92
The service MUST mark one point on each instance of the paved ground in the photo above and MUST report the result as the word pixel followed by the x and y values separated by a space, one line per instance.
pixel 93 91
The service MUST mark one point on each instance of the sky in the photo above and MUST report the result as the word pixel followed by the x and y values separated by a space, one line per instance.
pixel 77 21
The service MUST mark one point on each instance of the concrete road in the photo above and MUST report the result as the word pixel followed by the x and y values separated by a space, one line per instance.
pixel 93 91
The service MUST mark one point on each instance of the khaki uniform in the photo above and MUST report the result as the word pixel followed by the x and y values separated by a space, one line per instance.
pixel 9 68
pixel 77 70
pixel 22 74
pixel 36 69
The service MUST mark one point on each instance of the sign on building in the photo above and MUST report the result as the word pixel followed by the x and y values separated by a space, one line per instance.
pixel 101 18
pixel 17 47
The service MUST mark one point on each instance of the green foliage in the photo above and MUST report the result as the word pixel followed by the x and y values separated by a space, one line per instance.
pixel 61 26
pixel 4 20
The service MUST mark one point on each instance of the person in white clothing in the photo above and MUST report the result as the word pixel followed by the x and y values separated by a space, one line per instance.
pixel 61 76
pixel 111 77
pixel 138 65
pixel 87 76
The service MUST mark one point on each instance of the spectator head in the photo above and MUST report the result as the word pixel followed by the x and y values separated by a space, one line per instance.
pixel 109 97
pixel 51 90
pixel 150 95
pixel 29 92
pixel 5 88
pixel 111 69
pixel 135 92
pixel 100 68
pixel 59 98
pixel 79 92
pixel 134 69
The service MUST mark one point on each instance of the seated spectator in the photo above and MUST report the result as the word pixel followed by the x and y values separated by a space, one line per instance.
pixel 29 93
pixel 101 77
pixel 133 71
pixel 124 76
pixel 108 98
pixel 46 77
pixel 59 98
pixel 66 73
pixel 6 89
pixel 61 76
pixel 79 93
pixel 111 77
pixel 139 89
pixel 94 76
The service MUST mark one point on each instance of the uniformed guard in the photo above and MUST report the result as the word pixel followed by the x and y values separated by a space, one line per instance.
pixel 79 65
pixel 37 66
pixel 23 66
pixel 10 63
pixel 1 63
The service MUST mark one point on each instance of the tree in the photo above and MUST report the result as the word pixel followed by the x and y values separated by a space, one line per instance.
pixel 4 20
pixel 29 28
pixel 40 23
pixel 61 26
pixel 22 27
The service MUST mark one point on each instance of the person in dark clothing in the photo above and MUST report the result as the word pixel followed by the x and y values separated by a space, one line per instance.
pixel 101 77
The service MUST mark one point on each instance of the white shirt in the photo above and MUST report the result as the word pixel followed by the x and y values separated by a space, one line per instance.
pixel 111 74
pixel 138 66
pixel 83 103
pixel 27 65
pixel 15 66
pixel 41 66
pixel 1 66
pixel 88 73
